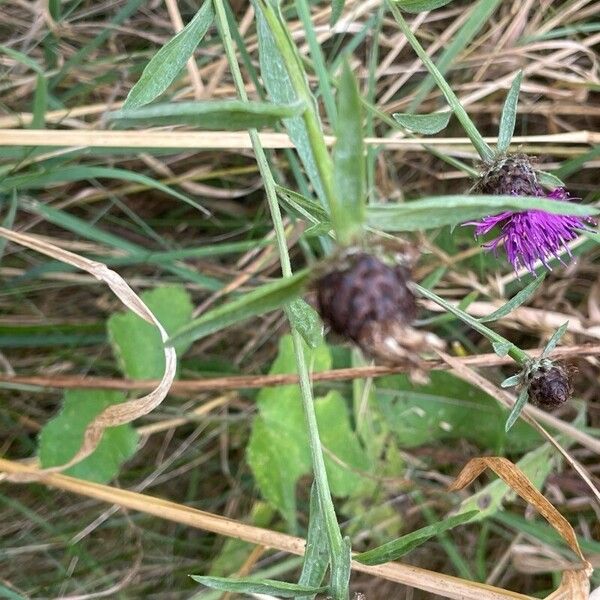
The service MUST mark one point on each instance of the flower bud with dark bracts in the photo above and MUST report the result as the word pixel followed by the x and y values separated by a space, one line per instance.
pixel 550 387
pixel 364 296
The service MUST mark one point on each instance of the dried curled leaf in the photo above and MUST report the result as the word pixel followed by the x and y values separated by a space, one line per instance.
pixel 116 414
pixel 518 481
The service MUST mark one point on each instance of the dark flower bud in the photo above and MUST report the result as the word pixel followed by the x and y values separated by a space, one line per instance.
pixel 370 303
pixel 512 175
pixel 550 387
pixel 364 290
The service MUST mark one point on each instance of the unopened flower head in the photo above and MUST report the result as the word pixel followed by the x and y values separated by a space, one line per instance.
pixel 529 235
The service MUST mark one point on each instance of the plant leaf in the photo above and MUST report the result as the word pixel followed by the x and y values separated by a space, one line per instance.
pixel 397 548
pixel 556 337
pixel 278 452
pixel 509 115
pixel 137 344
pixel 212 115
pixel 316 555
pixel 341 566
pixel 306 320
pixel 261 300
pixel 501 348
pixel 443 410
pixel 515 301
pixel 425 124
pixel 337 8
pixel 349 159
pixel 251 585
pixel 166 64
pixel 279 86
pixel 549 180
pixel 62 436
pixel 416 6
pixel 430 213
pixel 512 381
pixel 517 409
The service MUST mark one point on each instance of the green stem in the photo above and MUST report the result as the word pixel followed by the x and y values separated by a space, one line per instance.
pixel 310 116
pixel 485 152
pixel 518 355
pixel 324 493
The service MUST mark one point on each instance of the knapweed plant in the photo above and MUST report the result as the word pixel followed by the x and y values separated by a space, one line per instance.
pixel 353 265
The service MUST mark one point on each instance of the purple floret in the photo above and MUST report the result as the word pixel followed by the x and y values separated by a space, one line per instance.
pixel 532 234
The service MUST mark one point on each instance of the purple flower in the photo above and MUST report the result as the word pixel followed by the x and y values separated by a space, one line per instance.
pixel 532 234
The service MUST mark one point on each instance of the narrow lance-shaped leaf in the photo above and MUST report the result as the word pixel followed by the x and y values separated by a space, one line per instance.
pixel 517 409
pixel 341 565
pixel 264 299
pixel 430 213
pixel 509 115
pixel 316 556
pixel 337 8
pixel 556 337
pixel 425 124
pixel 212 115
pixel 250 585
pixel 397 548
pixel 166 64
pixel 306 320
pixel 349 160
pixel 515 301
pixel 416 6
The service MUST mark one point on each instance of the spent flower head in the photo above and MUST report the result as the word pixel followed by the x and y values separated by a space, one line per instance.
pixel 529 235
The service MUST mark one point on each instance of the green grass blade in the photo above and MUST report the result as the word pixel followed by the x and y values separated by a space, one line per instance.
pixel 478 17
pixel 166 64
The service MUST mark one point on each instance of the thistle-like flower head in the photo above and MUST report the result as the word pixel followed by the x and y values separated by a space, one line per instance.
pixel 530 235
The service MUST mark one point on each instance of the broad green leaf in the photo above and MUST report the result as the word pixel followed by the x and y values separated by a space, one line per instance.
pixel 263 299
pixel 430 213
pixel 166 64
pixel 278 451
pixel 509 116
pixel 515 301
pixel 349 160
pixel 416 6
pixel 553 341
pixel 397 548
pixel 279 86
pixel 425 124
pixel 517 409
pixel 251 585
pixel 41 179
pixel 316 555
pixel 306 320
pixel 444 410
pixel 214 115
pixel 137 344
pixel 62 436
